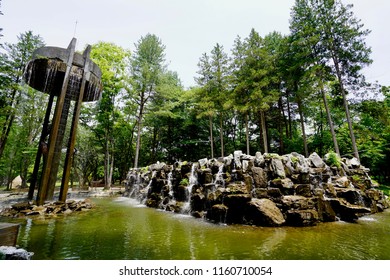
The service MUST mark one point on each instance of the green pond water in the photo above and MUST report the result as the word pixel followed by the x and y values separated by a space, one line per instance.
pixel 119 229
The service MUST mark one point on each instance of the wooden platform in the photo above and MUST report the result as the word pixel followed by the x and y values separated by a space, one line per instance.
pixel 8 234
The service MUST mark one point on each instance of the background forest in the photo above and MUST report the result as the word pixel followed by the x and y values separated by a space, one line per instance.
pixel 301 92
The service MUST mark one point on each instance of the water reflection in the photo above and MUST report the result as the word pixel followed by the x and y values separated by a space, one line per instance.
pixel 119 229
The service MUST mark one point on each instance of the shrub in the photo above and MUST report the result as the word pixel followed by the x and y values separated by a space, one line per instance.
pixel 333 159
pixel 184 182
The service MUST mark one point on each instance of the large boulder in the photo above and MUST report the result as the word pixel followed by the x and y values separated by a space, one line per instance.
pixel 325 210
pixel 259 160
pixel 277 168
pixel 316 161
pixel 303 190
pixel 217 213
pixel 285 185
pixel 296 202
pixel 308 217
pixel 352 196
pixel 13 253
pixel 16 182
pixel 236 204
pixel 237 159
pixel 264 212
pixel 157 166
pixel 198 201
pixel 346 211
pixel 259 177
pixel 342 182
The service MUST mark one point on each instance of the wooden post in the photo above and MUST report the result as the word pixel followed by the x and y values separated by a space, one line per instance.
pixel 8 234
pixel 73 131
pixel 45 132
pixel 47 168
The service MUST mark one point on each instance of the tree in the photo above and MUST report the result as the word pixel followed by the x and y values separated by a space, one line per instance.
pixel 146 67
pixel 204 99
pixel 273 43
pixel 112 61
pixel 253 81
pixel 342 41
pixel 12 64
pixel 374 131
pixel 87 157
pixel 219 86
pixel 160 126
pixel 310 55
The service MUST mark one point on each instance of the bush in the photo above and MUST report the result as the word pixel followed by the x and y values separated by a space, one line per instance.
pixel 333 159
pixel 184 182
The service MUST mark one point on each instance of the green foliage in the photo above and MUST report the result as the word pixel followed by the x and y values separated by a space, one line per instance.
pixel 184 182
pixel 146 67
pixel 333 159
pixel 294 160
pixel 21 109
pixel 385 190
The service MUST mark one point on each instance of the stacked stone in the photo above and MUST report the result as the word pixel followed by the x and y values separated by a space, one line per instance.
pixel 23 209
pixel 264 190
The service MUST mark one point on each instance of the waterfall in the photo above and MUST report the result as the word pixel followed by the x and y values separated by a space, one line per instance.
pixel 134 182
pixel 169 183
pixel 150 182
pixel 193 180
pixel 219 178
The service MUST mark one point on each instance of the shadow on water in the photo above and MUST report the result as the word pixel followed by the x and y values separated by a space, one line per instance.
pixel 122 229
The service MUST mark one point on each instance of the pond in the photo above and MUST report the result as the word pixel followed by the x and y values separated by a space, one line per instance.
pixel 119 228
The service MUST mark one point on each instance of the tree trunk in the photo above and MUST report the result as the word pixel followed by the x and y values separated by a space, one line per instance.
pixel 106 164
pixel 211 136
pixel 235 131
pixel 247 134
pixel 289 116
pixel 345 101
pixel 264 131
pixel 299 102
pixel 111 171
pixel 221 135
pixel 330 122
pixel 154 145
pixel 139 128
pixel 281 120
pixel 9 119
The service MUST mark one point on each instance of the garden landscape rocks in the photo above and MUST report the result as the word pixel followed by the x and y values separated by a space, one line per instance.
pixel 13 253
pixel 262 190
pixel 28 209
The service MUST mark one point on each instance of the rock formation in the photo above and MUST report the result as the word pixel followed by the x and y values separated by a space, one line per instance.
pixel 263 190
pixel 23 209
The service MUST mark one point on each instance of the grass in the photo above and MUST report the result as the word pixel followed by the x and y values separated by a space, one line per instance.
pixel 385 189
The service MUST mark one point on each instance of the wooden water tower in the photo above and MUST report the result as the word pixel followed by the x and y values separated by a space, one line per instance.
pixel 66 76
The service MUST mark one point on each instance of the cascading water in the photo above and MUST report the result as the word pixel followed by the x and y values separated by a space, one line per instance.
pixel 150 182
pixel 219 180
pixel 169 183
pixel 135 182
pixel 193 180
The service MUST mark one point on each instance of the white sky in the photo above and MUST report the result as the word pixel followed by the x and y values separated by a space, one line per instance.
pixel 187 28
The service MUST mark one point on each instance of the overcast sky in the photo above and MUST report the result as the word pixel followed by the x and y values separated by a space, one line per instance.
pixel 187 28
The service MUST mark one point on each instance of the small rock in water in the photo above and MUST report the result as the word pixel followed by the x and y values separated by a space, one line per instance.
pixel 13 253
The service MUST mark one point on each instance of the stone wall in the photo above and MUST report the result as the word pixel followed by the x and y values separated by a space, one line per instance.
pixel 263 190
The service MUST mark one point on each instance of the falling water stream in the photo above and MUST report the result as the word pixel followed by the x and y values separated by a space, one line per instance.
pixel 120 228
